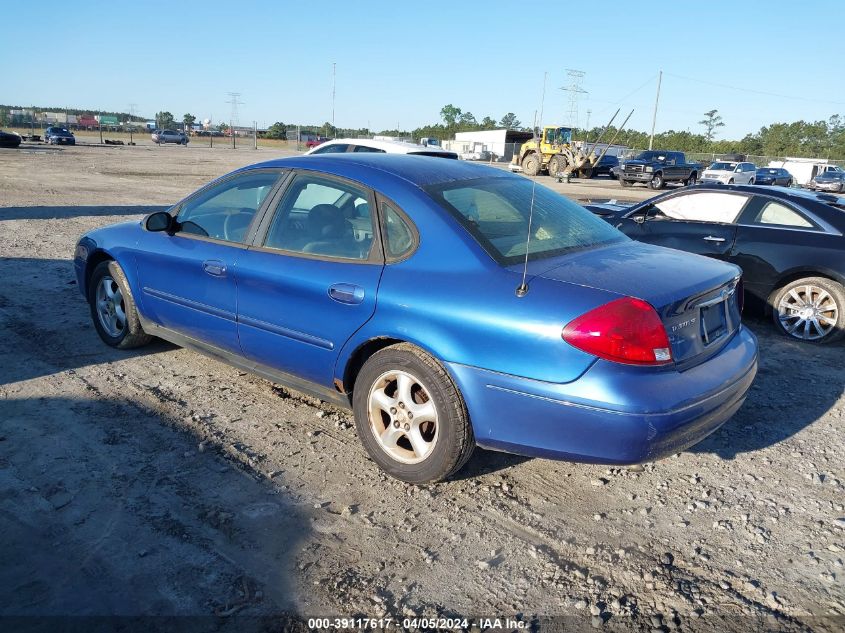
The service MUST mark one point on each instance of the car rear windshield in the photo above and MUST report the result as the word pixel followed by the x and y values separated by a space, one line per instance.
pixel 772 172
pixel 496 211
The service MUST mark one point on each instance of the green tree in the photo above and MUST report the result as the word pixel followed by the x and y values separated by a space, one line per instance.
pixel 164 120
pixel 487 123
pixel 467 120
pixel 711 122
pixel 277 130
pixel 510 122
pixel 222 127
pixel 450 115
pixel 188 120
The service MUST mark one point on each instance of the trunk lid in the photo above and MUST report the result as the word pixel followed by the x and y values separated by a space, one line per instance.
pixel 696 297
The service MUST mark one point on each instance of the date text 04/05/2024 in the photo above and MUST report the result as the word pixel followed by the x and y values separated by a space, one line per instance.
pixel 360 623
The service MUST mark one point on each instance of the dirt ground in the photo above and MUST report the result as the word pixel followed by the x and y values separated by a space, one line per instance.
pixel 159 482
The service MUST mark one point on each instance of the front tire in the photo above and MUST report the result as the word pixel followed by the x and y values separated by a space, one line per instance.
pixel 624 182
pixel 554 166
pixel 657 181
pixel 693 177
pixel 531 165
pixel 113 308
pixel 811 310
pixel 410 415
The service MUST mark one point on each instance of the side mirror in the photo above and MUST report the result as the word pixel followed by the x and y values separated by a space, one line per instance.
pixel 159 221
pixel 639 219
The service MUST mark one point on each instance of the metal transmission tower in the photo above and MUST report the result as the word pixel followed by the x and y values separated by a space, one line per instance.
pixel 575 91
pixel 234 101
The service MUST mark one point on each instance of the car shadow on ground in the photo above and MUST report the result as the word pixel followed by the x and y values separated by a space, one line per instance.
pixel 41 304
pixel 109 509
pixel 796 385
pixel 61 212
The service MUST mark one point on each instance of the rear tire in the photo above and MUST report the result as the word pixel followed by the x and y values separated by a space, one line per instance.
pixel 432 449
pixel 799 303
pixel 531 165
pixel 113 308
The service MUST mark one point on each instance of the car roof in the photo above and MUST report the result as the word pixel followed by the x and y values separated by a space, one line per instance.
pixel 390 147
pixel 787 193
pixel 417 170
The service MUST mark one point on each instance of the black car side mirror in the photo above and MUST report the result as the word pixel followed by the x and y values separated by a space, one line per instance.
pixel 159 221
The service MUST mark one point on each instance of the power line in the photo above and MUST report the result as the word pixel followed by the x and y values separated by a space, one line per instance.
pixel 751 90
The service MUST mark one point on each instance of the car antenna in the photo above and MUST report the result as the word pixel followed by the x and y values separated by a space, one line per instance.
pixel 522 289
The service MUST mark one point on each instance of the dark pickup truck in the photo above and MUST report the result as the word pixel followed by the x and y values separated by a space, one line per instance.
pixel 656 168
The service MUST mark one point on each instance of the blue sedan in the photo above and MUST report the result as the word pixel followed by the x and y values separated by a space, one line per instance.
pixel 448 304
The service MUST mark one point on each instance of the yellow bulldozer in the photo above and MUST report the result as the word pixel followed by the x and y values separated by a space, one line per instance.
pixel 555 153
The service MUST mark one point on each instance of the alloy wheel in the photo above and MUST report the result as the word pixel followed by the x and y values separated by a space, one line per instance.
pixel 111 309
pixel 808 312
pixel 402 417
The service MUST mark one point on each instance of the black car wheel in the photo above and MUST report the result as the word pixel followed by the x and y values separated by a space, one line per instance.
pixel 789 182
pixel 113 308
pixel 624 182
pixel 657 181
pixel 810 309
pixel 693 177
pixel 410 415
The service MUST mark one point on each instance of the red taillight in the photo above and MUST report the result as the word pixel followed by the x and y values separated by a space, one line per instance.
pixel 626 330
pixel 740 295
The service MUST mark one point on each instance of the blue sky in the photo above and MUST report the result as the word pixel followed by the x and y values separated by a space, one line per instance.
pixel 400 62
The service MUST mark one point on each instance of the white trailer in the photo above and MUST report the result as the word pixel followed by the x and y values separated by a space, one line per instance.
pixel 803 170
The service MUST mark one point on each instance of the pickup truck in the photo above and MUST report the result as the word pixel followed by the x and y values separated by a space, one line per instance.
pixel 656 168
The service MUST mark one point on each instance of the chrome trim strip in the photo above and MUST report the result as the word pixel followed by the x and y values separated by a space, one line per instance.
pixel 302 337
pixel 188 303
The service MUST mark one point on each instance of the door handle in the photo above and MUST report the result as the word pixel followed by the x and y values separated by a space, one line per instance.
pixel 710 238
pixel 214 267
pixel 346 293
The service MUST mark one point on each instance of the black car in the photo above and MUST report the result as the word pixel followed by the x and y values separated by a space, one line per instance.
pixel 605 166
pixel 773 176
pixel 788 242
pixel 59 136
pixel 832 180
pixel 9 139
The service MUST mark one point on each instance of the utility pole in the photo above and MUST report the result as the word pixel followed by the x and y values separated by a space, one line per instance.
pixel 334 64
pixel 543 97
pixel 654 117
pixel 131 121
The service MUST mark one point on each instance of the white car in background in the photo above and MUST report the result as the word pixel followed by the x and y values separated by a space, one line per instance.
pixel 730 173
pixel 343 145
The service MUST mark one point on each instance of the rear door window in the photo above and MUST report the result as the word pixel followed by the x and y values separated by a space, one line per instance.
pixel 323 217
pixel 781 215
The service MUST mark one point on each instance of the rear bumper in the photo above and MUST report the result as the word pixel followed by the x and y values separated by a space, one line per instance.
pixel 612 414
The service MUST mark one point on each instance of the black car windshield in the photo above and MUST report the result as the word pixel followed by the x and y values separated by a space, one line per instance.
pixel 722 166
pixel 495 211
